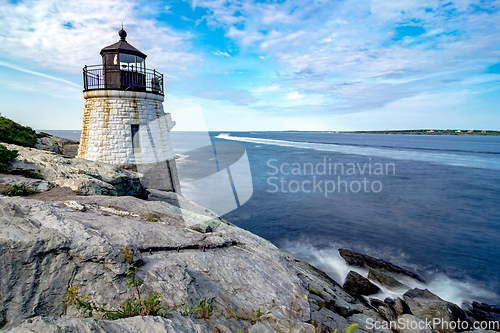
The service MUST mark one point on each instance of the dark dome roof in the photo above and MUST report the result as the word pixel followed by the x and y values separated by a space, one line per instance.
pixel 122 46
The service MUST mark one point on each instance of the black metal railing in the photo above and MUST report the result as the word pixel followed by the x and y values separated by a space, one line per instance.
pixel 99 77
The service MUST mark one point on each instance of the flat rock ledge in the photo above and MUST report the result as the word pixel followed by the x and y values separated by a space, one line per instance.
pixel 189 255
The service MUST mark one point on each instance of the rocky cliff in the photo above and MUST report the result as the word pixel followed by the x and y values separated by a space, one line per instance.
pixel 49 243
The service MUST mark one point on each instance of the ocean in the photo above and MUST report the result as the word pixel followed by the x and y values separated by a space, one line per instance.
pixel 428 203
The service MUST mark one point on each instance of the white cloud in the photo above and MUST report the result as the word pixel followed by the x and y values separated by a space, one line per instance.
pixel 294 95
pixel 265 89
pixel 65 35
pixel 219 52
pixel 346 49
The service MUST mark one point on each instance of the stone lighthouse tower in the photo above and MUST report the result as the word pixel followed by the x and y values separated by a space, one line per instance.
pixel 124 122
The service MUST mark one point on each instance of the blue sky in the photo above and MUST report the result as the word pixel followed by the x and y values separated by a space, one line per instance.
pixel 262 65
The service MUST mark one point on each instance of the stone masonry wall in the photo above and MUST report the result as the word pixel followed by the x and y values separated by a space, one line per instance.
pixel 106 130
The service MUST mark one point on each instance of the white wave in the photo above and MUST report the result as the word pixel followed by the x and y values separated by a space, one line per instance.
pixel 329 261
pixel 471 161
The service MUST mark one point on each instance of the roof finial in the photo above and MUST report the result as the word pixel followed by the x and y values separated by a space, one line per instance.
pixel 122 33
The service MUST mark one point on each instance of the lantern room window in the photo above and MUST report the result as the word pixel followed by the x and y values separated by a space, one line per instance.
pixel 132 63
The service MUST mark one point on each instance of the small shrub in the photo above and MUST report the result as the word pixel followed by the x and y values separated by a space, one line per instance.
pixel 21 191
pixel 151 219
pixel 133 280
pixel 12 132
pixel 152 305
pixel 149 306
pixel 6 155
pixel 204 307
pixel 197 229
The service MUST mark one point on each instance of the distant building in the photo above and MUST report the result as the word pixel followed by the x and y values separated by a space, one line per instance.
pixel 124 122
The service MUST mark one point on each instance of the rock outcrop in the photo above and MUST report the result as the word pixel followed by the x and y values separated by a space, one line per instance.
pixel 385 280
pixel 367 262
pixel 56 239
pixel 359 285
pixel 46 247
pixel 54 144
pixel 35 184
pixel 427 306
pixel 82 176
pixel 483 312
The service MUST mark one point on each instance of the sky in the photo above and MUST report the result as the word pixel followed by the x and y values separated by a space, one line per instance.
pixel 265 65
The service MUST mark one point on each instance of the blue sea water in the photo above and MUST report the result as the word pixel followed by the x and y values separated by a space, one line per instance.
pixel 434 210
pixel 438 213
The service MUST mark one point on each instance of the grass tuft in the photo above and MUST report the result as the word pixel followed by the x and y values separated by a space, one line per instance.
pixel 151 219
pixel 316 292
pixel 21 191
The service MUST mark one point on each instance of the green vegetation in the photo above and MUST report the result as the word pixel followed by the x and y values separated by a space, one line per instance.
pixel 151 219
pixel 351 328
pixel 6 155
pixel 205 309
pixel 27 174
pixel 149 306
pixel 315 292
pixel 256 316
pixel 21 191
pixel 433 132
pixel 196 229
pixel 12 132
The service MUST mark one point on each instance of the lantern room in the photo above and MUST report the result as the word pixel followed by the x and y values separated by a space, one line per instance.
pixel 123 68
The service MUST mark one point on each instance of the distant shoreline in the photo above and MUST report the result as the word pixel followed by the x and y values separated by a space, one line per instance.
pixel 411 132
pixel 433 132
pixel 75 134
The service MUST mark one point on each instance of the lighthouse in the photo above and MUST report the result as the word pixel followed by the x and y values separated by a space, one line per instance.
pixel 124 122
